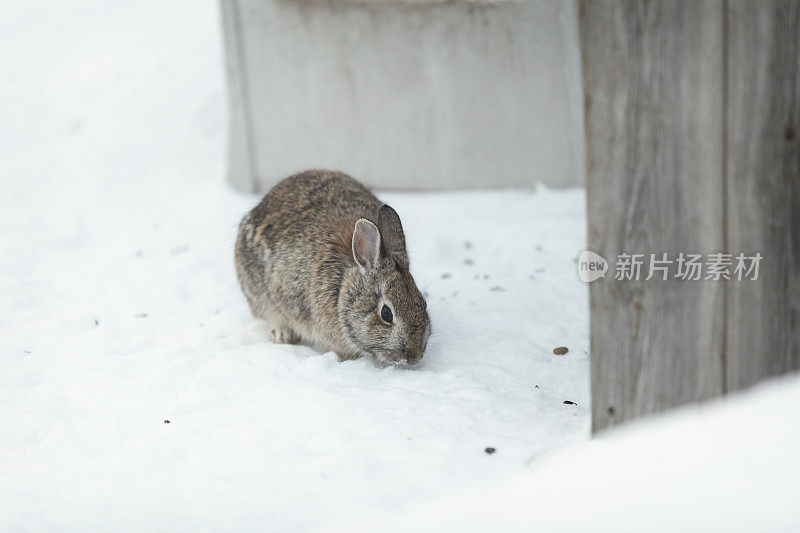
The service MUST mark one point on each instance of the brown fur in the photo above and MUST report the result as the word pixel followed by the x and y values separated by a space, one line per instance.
pixel 295 263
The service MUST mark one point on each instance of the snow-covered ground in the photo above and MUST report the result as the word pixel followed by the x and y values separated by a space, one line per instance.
pixel 119 311
pixel 729 465
pixel 137 393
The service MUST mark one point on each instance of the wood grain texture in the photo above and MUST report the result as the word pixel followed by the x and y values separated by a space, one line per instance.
pixel 763 187
pixel 654 152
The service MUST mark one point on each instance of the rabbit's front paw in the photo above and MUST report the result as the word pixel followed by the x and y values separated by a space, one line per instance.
pixel 344 356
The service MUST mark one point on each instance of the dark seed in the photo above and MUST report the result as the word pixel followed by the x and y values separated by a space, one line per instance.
pixel 568 402
pixel 489 450
pixel 447 275
pixel 468 261
pixel 96 322
pixel 611 411
pixel 179 250
pixel 561 350
pixel 166 421
pixel 789 134
pixel 536 386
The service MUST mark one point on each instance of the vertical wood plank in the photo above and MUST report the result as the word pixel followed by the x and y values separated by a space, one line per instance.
pixel 405 95
pixel 763 187
pixel 654 152
pixel 242 170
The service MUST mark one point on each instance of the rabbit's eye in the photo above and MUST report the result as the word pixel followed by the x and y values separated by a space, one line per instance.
pixel 386 314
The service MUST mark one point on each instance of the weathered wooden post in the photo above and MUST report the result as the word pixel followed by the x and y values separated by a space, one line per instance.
pixel 692 114
pixel 404 94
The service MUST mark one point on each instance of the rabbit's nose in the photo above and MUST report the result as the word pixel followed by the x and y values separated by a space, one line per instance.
pixel 414 359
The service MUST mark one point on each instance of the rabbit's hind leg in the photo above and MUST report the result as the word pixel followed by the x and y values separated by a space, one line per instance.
pixel 284 335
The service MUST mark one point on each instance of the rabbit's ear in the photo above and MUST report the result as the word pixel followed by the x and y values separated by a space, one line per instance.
pixel 394 241
pixel 366 245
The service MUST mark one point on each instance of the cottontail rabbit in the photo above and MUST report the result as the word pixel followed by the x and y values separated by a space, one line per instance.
pixel 324 261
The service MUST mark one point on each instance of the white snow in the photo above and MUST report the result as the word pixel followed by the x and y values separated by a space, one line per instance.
pixel 729 465
pixel 120 310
